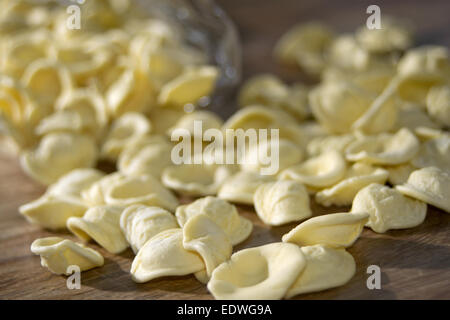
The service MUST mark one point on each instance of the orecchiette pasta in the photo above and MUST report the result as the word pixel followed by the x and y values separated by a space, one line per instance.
pixel 164 255
pixel 357 177
pixel 196 179
pixel 399 174
pixel 146 155
pixel 140 223
pixel 387 149
pixel 388 208
pixel 224 214
pixel 305 45
pixel 55 156
pixel 322 171
pixel 139 190
pixel 202 235
pixel 336 230
pixel 430 185
pixel 325 268
pixel 322 144
pixel 58 254
pixel 280 202
pixel 264 272
pixel 241 186
pixel 207 119
pixel 124 131
pixel 188 87
pixel 102 224
pixel 94 195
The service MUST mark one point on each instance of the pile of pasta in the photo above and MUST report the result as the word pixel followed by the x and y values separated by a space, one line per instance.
pixel 371 135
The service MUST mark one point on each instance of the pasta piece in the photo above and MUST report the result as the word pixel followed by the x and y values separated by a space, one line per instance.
pixel 321 171
pixel 164 255
pixel 195 179
pixel 357 177
pixel 347 54
pixel 189 87
pixel 388 208
pixel 438 104
pixel 305 45
pixel 203 236
pixel 260 273
pixel 224 214
pixel 54 156
pixel 281 202
pixel 164 118
pixel 146 155
pixel 94 195
pixel 399 174
pixel 123 131
pixel 131 92
pixel 102 224
pixel 286 152
pixel 57 254
pixel 430 185
pixel 52 212
pixel 337 230
pixel 319 145
pixel 74 182
pixel 47 80
pixel 241 186
pixel 325 268
pixel 386 149
pixel 434 153
pixel 412 116
pixel 424 133
pixel 143 189
pixel 337 105
pixel 141 223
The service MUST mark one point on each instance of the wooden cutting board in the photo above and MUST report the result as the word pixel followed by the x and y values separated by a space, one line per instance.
pixel 415 263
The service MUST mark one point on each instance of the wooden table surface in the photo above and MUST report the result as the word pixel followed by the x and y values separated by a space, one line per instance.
pixel 415 263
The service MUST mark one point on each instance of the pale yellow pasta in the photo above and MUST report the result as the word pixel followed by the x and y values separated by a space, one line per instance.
pixel 241 186
pixel 131 92
pixel 47 80
pixel 224 214
pixel 385 148
pixel 357 176
pixel 124 131
pixel 338 230
pixel 388 208
pixel 305 45
pixel 164 255
pixel 281 202
pixel 393 36
pixel 193 84
pixel 424 133
pixel 146 155
pixel 53 211
pixel 434 153
pixel 325 268
pixel 399 174
pixel 412 116
pixel 287 153
pixel 320 144
pixel 321 171
pixel 438 104
pixel 102 224
pixel 143 189
pixel 203 236
pixel 94 195
pixel 74 182
pixel 260 273
pixel 337 105
pixel 55 156
pixel 203 119
pixel 430 185
pixel 140 223
pixel 346 53
pixel 58 254
pixel 196 179
pixel 164 118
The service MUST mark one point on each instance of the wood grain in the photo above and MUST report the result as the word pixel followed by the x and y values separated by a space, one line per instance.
pixel 415 263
